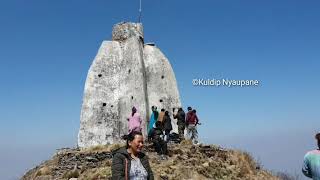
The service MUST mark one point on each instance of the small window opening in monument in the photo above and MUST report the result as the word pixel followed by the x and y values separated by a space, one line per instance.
pixel 112 106
pixel 141 39
pixel 162 77
pixel 129 71
pixel 99 75
pixel 104 104
pixel 131 97
pixel 161 100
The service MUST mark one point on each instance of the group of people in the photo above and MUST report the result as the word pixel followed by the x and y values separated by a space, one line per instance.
pixel 160 126
pixel 162 121
pixel 189 121
pixel 159 121
pixel 130 162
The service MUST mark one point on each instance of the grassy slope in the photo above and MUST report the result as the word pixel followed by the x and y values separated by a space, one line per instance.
pixel 185 161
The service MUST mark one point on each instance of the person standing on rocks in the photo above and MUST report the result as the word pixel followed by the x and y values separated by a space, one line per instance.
pixel 135 121
pixel 311 163
pixel 161 115
pixel 130 162
pixel 192 121
pixel 181 122
pixel 153 118
pixel 156 115
pixel 167 126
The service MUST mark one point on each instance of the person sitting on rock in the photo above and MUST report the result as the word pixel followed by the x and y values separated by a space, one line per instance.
pixel 311 163
pixel 156 135
pixel 135 121
pixel 130 162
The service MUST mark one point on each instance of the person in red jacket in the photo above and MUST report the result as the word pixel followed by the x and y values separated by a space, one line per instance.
pixel 191 122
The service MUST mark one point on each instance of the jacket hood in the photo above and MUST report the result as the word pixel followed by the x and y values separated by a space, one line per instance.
pixel 123 151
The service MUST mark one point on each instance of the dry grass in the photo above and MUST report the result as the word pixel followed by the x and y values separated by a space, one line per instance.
pixel 185 161
pixel 185 142
pixel 249 158
pixel 287 176
pixel 248 163
pixel 96 173
pixel 43 171
pixel 102 148
pixel 71 174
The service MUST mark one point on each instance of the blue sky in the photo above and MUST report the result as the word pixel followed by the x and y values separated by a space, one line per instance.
pixel 46 48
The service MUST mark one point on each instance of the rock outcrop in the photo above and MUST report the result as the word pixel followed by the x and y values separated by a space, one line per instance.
pixel 185 161
pixel 125 73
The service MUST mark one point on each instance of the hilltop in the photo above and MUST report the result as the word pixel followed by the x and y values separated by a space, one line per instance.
pixel 185 161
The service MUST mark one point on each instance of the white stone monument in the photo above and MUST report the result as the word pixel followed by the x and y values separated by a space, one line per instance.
pixel 125 73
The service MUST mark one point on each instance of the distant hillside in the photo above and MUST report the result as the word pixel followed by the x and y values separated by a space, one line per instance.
pixel 185 161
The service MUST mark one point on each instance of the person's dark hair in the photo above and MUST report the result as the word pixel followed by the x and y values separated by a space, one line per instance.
pixel 194 111
pixel 134 110
pixel 189 108
pixel 317 136
pixel 166 113
pixel 152 107
pixel 158 124
pixel 180 109
pixel 130 137
pixel 162 110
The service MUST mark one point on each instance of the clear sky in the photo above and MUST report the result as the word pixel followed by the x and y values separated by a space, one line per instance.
pixel 47 46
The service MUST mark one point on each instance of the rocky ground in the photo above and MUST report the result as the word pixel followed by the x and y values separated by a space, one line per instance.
pixel 185 161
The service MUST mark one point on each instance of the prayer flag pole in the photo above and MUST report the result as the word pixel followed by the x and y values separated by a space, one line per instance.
pixel 140 11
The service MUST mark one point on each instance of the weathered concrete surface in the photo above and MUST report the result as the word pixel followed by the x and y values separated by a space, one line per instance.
pixel 124 31
pixel 162 86
pixel 100 104
pixel 124 73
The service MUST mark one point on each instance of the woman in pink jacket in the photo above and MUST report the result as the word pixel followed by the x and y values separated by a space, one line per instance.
pixel 135 121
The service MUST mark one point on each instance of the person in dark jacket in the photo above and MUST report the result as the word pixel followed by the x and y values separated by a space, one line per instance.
pixel 181 122
pixel 167 126
pixel 156 135
pixel 130 162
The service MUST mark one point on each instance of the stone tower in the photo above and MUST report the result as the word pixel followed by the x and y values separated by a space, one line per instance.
pixel 125 73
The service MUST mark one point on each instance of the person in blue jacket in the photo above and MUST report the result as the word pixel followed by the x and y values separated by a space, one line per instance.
pixel 311 162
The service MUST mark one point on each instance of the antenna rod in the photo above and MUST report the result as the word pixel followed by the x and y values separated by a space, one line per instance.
pixel 140 11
